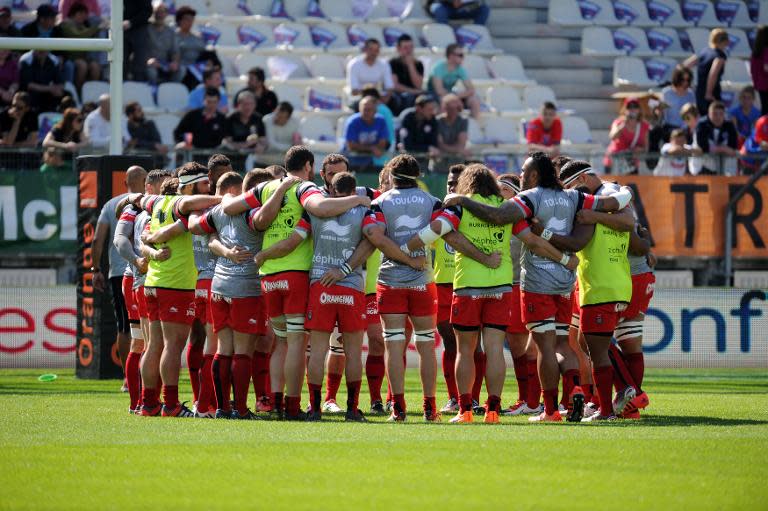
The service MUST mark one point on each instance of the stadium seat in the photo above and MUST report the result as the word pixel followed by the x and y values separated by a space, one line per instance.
pixel 289 93
pixel 739 43
pixel 140 92
pixel 166 123
pixel 581 13
pixel 604 42
pixel 665 41
pixel 393 32
pixel 632 12
pixel 413 13
pixel 509 68
pixel 674 279
pixel 697 39
pixel 200 6
pixel 318 132
pixel 758 12
pixel 477 69
pixel 348 11
pixel 258 36
pixel 437 36
pixel 476 39
pixel 327 67
pixel 286 67
pixel 234 9
pixel 294 37
pixel 298 10
pixel 172 97
pixel 93 89
pixel 357 33
pixel 323 99
pixel 475 134
pixel 576 130
pixel 701 14
pixel 733 14
pixel 505 100
pixel 246 60
pixel 636 72
pixel 667 13
pixel 331 37
pixel 503 134
pixel 535 95
pixel 736 74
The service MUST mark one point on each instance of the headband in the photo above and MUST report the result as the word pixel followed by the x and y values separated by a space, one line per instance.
pixel 192 178
pixel 403 176
pixel 571 179
pixel 510 184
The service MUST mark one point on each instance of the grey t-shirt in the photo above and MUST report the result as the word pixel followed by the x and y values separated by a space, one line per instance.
pixel 124 229
pixel 140 224
pixel 189 46
pixel 556 211
pixel 108 216
pixel 334 240
pixel 233 280
pixel 450 132
pixel 205 261
pixel 516 250
pixel 638 264
pixel 404 212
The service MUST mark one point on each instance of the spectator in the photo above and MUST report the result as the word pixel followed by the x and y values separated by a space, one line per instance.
pixel 143 133
pixel 444 10
pixel 7 28
pixel 44 25
pixel 39 74
pixel 383 110
pixel 65 103
pixel 164 62
pixel 18 124
pixel 659 132
pixel 677 94
pixel 9 76
pixel 244 130
pixel 674 155
pixel 690 115
pixel 136 15
pixel 365 134
pixel 88 107
pixel 452 134
pixel 446 73
pixel 710 64
pixel 282 129
pixel 418 131
pixel 745 114
pixel 93 7
pixel 407 73
pixel 77 26
pixel 202 128
pixel 190 45
pixel 211 79
pixel 545 132
pixel 97 125
pixel 718 139
pixel 758 64
pixel 53 161
pixel 266 100
pixel 68 133
pixel 368 69
pixel 629 136
pixel 756 144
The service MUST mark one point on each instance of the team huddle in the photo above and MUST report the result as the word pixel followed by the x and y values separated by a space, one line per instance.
pixel 270 279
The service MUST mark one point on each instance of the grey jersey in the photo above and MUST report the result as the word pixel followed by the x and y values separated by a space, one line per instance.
pixel 516 251
pixel 404 212
pixel 638 264
pixel 334 240
pixel 140 224
pixel 230 279
pixel 556 210
pixel 205 261
pixel 108 216
pixel 123 240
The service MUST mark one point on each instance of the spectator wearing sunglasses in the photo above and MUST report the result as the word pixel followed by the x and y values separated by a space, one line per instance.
pixel 677 95
pixel 447 73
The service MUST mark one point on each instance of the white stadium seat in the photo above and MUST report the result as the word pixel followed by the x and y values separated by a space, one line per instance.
pixel 286 66
pixel 475 134
pixel 299 11
pixel 324 99
pixel 413 13
pixel 736 74
pixel 633 71
pixel 393 32
pixel 172 97
pixel 232 8
pixel 294 37
pixel 257 35
pixel 359 32
pixel 477 69
pixel 348 11
pixel 535 95
pixel 667 13
pixel 761 16
pixel 665 41
pixel 739 45
pixel 505 100
pixel 166 123
pixel 245 61
pixel 604 42
pixel 632 12
pixel 316 128
pixel 733 14
pixel 701 14
pixel 331 37
pixel 573 13
pixel 476 39
pixel 575 130
pixel 93 89
pixel 327 66
pixel 290 93
pixel 140 92
pixel 502 130
pixel 698 38
pixel 509 68
pixel 437 36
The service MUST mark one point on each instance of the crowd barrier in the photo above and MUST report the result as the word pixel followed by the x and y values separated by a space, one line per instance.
pixel 701 327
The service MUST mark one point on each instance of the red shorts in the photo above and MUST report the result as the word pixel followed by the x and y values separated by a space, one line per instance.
pixel 602 318
pixel 170 305
pixel 246 315
pixel 372 310
pixel 335 305
pixel 286 293
pixel 444 301
pixel 642 292
pixel 202 301
pixel 538 307
pixel 130 303
pixel 414 301
pixel 141 301
pixel 476 311
pixel 516 324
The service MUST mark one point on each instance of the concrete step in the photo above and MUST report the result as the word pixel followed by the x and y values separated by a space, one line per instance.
pixel 549 76
pixel 515 29
pixel 575 90
pixel 539 46
pixel 605 106
pixel 597 120
pixel 600 136
pixel 503 20
pixel 566 60
pixel 537 4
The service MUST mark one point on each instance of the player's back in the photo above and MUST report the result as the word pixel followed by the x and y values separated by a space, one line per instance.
pixel 334 240
pixel 235 280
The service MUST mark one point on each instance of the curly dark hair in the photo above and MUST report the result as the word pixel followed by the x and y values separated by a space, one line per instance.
pixel 478 179
pixel 403 165
pixel 546 170
pixel 573 167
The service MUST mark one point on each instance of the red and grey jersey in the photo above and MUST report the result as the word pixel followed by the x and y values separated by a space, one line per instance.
pixel 124 228
pixel 255 198
pixel 140 225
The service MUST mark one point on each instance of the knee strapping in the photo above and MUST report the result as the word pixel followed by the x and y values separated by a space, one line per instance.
pixel 561 329
pixel 294 325
pixel 628 330
pixel 541 327
pixel 424 335
pixel 394 334
pixel 575 320
pixel 337 348
pixel 136 332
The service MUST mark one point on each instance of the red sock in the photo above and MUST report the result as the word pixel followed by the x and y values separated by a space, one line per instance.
pixel 588 391
pixel 133 377
pixel 332 384
pixel 520 365
pixel 636 365
pixel 390 397
pixel 194 363
pixel 622 378
pixel 564 397
pixel 534 385
pixel 449 373
pixel 479 375
pixel 267 377
pixel 259 367
pixel 241 378
pixel 374 373
pixel 222 380
pixel 314 396
pixel 207 394
pixel 570 380
pixel 399 406
pixel 550 401
pixel 494 403
pixel 171 396
pixel 603 377
pixel 353 395
pixel 429 405
pixel 465 401
pixel 292 405
pixel 150 397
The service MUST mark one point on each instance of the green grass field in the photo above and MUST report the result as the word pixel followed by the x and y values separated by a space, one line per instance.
pixel 70 444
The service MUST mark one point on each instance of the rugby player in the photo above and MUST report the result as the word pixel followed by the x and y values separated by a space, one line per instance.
pixel 546 287
pixel 285 281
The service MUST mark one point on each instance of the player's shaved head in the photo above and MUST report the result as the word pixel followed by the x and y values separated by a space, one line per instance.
pixel 255 177
pixel 344 183
pixel 135 177
pixel 229 182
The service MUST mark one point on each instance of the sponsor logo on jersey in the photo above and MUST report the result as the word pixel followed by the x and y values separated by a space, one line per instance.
pixel 173 309
pixel 328 299
pixel 191 311
pixel 557 225
pixel 201 293
pixel 408 222
pixel 333 227
pixel 277 285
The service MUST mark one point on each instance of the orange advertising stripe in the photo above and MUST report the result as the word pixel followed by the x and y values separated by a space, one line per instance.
pixel 88 189
pixel 118 183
